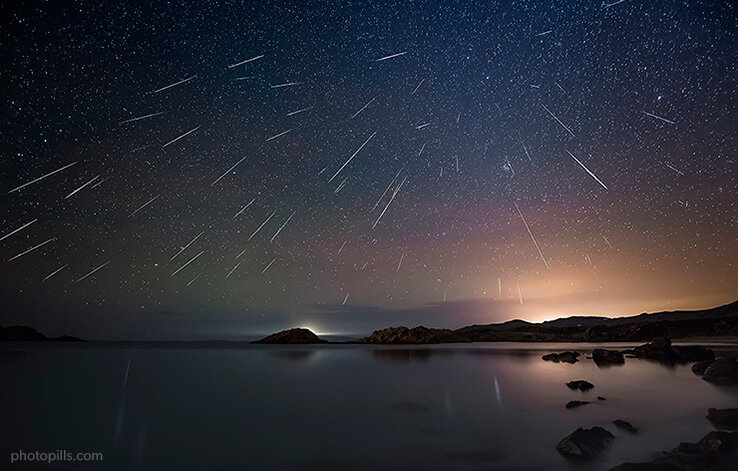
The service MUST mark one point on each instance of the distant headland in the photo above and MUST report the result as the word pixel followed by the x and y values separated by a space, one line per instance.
pixel 720 321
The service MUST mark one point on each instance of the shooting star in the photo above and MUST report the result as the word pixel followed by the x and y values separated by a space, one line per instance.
pixel 386 190
pixel 142 117
pixel 278 135
pixel 32 249
pixel 416 88
pixel 93 271
pixel 363 108
pixel 174 84
pixel 340 185
pixel 341 249
pixel 78 189
pixel 394 193
pixel 557 120
pixel 608 5
pixel 194 279
pixel 267 267
pixel 282 227
pixel 607 241
pixel 55 271
pixel 99 183
pixel 187 263
pixel 391 56
pixel 144 205
pixel 585 168
pixel 292 113
pixel 42 177
pixel 232 270
pixel 180 137
pixel 17 230
pixel 509 165
pixel 186 246
pixel 421 149
pixel 262 225
pixel 560 87
pixel 282 85
pixel 422 126
pixel 543 33
pixel 531 237
pixel 352 157
pixel 344 300
pixel 527 153
pixel 245 62
pixel 227 171
pixel 400 264
pixel 499 285
pixel 658 117
pixel 520 294
pixel 677 171
pixel 240 211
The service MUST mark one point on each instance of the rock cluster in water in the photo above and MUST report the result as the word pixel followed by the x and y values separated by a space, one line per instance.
pixel 585 443
pixel 566 357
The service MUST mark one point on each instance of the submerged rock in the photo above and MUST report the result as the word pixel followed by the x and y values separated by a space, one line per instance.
pixel 603 357
pixel 722 371
pixel 298 335
pixel 600 398
pixel 627 426
pixel 417 335
pixel 566 357
pixel 700 367
pixel 573 404
pixel 716 450
pixel 580 384
pixel 661 350
pixel 723 418
pixel 585 443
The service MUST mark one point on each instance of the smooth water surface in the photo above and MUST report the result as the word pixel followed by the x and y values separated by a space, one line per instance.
pixel 337 407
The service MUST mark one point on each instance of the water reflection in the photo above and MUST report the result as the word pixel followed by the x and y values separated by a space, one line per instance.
pixel 497 406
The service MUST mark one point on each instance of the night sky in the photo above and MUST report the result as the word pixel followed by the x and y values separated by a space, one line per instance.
pixel 528 160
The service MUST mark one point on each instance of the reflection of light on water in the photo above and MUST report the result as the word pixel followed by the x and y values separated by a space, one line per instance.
pixel 497 391
pixel 447 403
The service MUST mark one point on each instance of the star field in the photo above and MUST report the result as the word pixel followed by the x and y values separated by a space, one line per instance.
pixel 612 128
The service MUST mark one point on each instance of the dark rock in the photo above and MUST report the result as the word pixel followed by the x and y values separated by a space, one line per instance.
pixel 573 404
pixel 718 443
pixel 625 425
pixel 585 443
pixel 662 351
pixel 602 357
pixel 722 371
pixel 600 398
pixel 723 418
pixel 716 450
pixel 292 336
pixel 581 385
pixel 689 353
pixel 417 335
pixel 566 357
pixel 700 367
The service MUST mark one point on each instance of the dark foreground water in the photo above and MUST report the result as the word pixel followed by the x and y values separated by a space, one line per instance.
pixel 342 407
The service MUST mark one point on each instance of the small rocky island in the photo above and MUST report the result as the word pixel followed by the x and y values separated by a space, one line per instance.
pixel 292 336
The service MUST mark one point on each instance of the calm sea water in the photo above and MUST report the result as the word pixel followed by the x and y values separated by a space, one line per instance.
pixel 336 407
